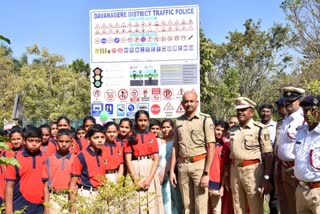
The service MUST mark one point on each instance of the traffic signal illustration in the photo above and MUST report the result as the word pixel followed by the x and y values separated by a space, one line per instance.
pixel 97 77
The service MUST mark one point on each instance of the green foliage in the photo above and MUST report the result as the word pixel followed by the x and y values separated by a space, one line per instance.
pixel 5 39
pixel 243 66
pixel 47 88
pixel 116 198
pixel 79 66
pixel 5 160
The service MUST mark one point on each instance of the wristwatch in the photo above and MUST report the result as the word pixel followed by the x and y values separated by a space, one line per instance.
pixel 205 173
pixel 266 177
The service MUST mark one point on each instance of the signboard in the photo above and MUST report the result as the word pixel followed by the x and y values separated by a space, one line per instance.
pixel 144 58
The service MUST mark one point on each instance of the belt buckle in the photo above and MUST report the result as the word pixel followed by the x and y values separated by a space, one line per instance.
pixel 238 163
pixel 188 159
pixel 304 184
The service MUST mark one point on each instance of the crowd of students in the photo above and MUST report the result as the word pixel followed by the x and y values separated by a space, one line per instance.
pixel 54 159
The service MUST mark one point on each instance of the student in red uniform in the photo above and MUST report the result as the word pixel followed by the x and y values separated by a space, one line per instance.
pixel 64 123
pixel 83 142
pixel 113 153
pixel 24 186
pixel 87 122
pixel 80 133
pixel 88 169
pixel 48 147
pixel 56 172
pixel 125 127
pixel 53 129
pixel 218 169
pixel 16 136
pixel 142 159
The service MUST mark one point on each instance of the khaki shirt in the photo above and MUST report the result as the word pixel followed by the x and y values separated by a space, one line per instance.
pixel 190 137
pixel 245 143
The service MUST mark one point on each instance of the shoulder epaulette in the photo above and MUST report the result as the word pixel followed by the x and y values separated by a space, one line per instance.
pixel 203 114
pixel 256 123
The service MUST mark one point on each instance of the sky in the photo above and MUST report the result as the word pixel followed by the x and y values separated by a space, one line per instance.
pixel 62 26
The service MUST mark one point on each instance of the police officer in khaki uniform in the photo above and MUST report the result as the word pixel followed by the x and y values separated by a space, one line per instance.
pixel 307 158
pixel 249 176
pixel 194 133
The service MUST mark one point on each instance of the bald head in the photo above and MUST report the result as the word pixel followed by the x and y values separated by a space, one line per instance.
pixel 189 94
pixel 190 102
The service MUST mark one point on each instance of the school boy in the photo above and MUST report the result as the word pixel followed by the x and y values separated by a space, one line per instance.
pixel 56 173
pixel 24 186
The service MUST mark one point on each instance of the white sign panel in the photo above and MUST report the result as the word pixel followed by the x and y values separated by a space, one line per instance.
pixel 144 58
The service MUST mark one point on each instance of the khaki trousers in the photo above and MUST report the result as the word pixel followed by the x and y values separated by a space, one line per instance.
pixel 308 200
pixel 289 187
pixel 245 182
pixel 194 197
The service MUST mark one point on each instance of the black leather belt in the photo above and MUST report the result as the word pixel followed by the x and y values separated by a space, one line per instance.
pixel 141 157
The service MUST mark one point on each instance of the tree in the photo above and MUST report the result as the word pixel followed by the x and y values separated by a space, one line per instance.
pixel 304 16
pixel 80 66
pixel 51 90
pixel 244 66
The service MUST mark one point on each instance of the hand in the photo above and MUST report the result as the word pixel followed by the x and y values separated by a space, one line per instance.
pixel 227 184
pixel 139 184
pixel 266 187
pixel 160 178
pixel 205 181
pixel 173 179
pixel 221 191
pixel 146 183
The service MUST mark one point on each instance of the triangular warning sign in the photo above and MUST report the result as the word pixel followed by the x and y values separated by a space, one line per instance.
pixel 156 23
pixel 180 109
pixel 163 23
pixel 176 28
pixel 110 31
pixel 104 32
pixel 110 25
pixel 104 26
pixel 169 23
pixel 123 24
pixel 190 21
pixel 97 26
pixel 163 29
pixel 136 24
pixel 143 24
pixel 97 32
pixel 180 92
pixel 183 22
pixel 130 24
pixel 183 28
pixel 150 23
pixel 117 25
pixel 168 106
pixel 150 29
pixel 169 29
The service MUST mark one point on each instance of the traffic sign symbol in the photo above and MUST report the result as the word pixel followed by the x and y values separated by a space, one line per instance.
pixel 180 109
pixel 167 93
pixel 168 106
pixel 155 109
pixel 110 95
pixel 109 108
pixel 123 94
